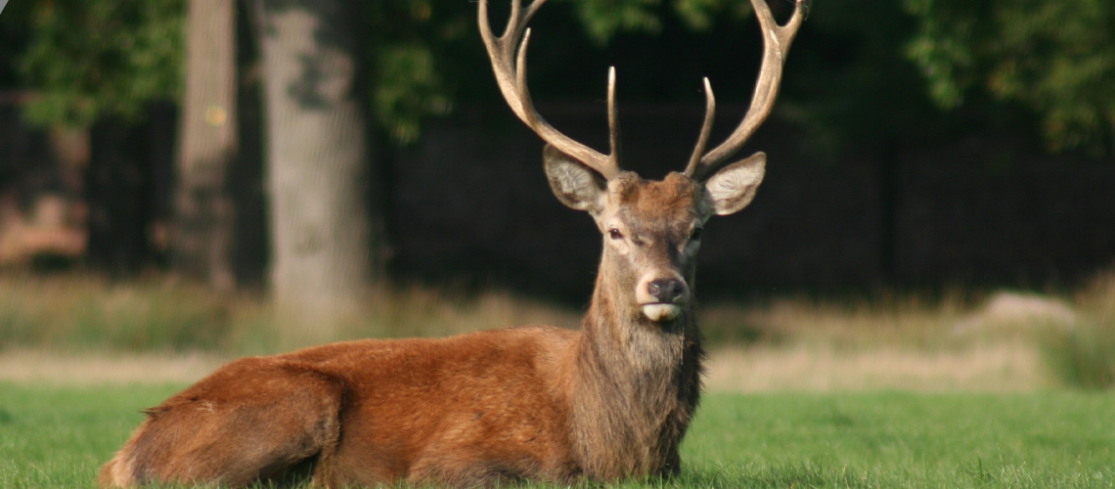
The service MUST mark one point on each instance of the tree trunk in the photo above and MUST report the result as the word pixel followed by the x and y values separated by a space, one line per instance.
pixel 204 230
pixel 317 154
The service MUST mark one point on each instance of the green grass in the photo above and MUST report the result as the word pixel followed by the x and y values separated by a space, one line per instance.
pixel 58 436
pixel 894 440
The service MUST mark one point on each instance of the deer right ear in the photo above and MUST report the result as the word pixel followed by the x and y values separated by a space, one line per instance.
pixel 574 183
pixel 733 187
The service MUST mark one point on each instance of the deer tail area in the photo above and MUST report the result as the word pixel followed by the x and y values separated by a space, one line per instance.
pixel 212 430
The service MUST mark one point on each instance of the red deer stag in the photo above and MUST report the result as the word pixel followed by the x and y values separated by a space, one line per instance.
pixel 610 401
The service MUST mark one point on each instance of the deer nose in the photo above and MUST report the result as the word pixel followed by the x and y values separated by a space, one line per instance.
pixel 666 290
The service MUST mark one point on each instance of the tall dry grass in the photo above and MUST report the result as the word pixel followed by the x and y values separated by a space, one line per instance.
pixel 1001 340
pixel 907 320
pixel 1084 355
pixel 86 314
pixel 892 341
pixel 960 339
pixel 81 313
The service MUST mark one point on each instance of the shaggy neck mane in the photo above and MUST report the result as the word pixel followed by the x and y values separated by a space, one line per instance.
pixel 636 384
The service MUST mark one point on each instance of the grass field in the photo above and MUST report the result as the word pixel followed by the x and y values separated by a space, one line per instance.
pixel 57 436
pixel 896 391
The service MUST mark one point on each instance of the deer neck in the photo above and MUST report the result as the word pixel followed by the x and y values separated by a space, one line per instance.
pixel 618 336
pixel 637 385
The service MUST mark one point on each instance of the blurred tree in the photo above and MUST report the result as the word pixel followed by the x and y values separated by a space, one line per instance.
pixel 855 86
pixel 13 42
pixel 1051 55
pixel 317 153
pixel 104 63
pixel 409 44
pixel 136 58
pixel 204 222
pixel 425 54
pixel 89 59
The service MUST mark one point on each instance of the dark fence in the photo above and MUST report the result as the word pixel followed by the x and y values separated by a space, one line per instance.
pixel 472 199
pixel 470 204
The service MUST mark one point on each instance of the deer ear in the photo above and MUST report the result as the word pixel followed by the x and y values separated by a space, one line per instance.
pixel 733 187
pixel 575 184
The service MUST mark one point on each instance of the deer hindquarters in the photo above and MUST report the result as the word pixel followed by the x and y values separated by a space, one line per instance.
pixel 254 419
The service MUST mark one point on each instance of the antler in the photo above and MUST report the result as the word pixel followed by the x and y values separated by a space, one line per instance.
pixel 776 45
pixel 511 74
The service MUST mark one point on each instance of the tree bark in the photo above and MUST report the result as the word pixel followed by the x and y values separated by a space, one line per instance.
pixel 317 154
pixel 204 229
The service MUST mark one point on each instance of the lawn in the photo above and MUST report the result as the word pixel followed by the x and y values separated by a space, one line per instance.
pixel 52 436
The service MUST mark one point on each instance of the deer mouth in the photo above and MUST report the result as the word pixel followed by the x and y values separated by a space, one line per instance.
pixel 661 311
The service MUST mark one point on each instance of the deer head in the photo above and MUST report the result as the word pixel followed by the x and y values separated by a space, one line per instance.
pixel 652 229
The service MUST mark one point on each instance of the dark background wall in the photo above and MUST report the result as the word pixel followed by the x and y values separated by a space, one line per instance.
pixel 472 201
pixel 469 204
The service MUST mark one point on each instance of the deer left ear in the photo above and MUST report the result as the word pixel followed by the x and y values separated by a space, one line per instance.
pixel 574 183
pixel 733 187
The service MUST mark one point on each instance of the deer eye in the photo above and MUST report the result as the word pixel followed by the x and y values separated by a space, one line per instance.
pixel 615 234
pixel 696 234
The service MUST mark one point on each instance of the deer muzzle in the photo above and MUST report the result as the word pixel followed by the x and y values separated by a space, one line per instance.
pixel 662 298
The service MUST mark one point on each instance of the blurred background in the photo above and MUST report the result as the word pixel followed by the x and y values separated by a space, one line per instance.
pixel 180 175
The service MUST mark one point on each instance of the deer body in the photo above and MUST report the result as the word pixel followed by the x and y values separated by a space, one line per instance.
pixel 606 402
pixel 610 401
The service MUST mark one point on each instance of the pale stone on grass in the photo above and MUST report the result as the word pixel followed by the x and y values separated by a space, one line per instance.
pixel 1010 367
pixel 1008 311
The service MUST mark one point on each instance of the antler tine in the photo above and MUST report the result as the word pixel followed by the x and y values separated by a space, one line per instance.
pixel 511 75
pixel 613 117
pixel 776 45
pixel 706 128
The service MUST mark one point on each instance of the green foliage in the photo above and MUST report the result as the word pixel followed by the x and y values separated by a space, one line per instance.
pixel 88 59
pixel 423 52
pixel 410 42
pixel 699 15
pixel 1053 56
pixel 409 87
pixel 603 18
